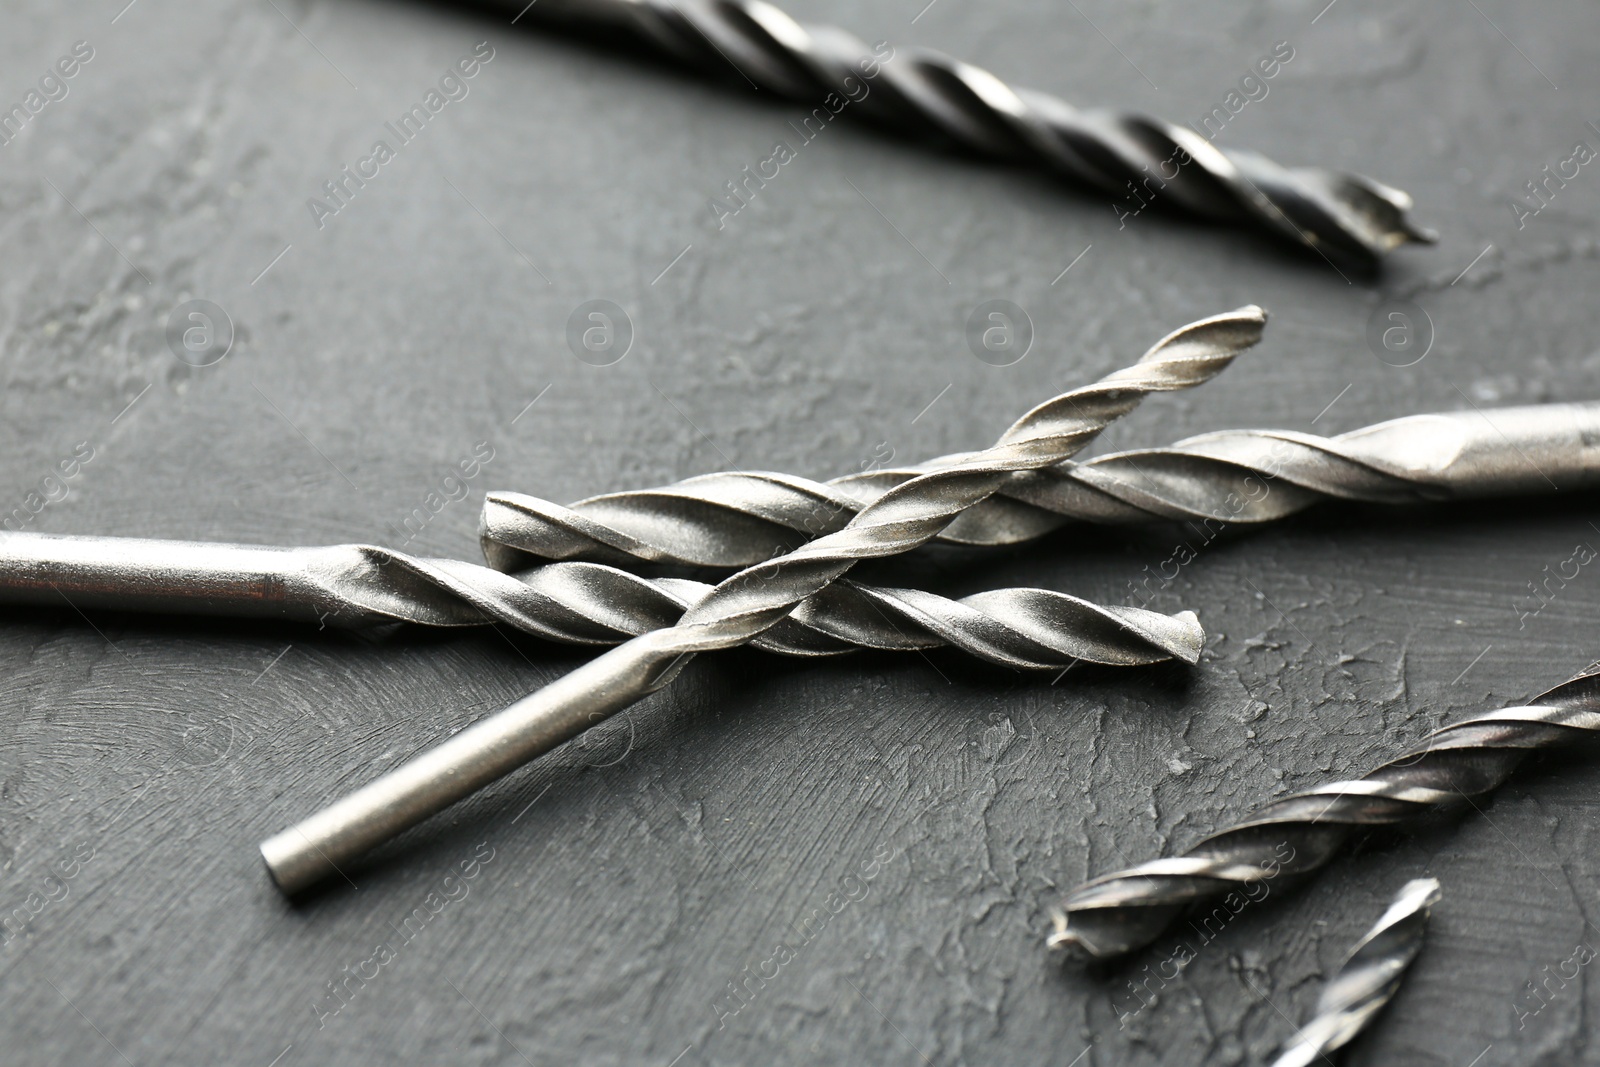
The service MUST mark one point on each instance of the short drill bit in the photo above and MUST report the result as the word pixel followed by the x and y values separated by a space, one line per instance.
pixel 1351 220
pixel 1119 912
pixel 571 603
pixel 1368 979
pixel 742 607
pixel 1233 476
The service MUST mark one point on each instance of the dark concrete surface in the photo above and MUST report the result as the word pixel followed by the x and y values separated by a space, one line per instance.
pixel 634 875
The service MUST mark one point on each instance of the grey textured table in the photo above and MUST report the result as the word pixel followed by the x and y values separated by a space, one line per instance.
pixel 899 825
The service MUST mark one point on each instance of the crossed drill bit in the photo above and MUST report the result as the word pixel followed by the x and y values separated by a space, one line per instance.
pixel 1460 455
pixel 744 606
pixel 1420 457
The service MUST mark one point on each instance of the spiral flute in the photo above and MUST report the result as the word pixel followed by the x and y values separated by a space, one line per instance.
pixel 1233 476
pixel 573 603
pixel 742 607
pixel 1368 979
pixel 1351 220
pixel 1295 835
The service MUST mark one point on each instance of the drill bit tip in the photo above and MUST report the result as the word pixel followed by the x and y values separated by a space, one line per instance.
pixel 1368 979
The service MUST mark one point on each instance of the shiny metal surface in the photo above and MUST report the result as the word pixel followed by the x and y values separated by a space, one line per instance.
pixel 1295 835
pixel 1233 476
pixel 573 603
pixel 1137 160
pixel 743 607
pixel 1368 979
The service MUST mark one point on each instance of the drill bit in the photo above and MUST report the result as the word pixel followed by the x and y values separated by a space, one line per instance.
pixel 1368 979
pixel 572 603
pixel 1351 220
pixel 741 608
pixel 1127 909
pixel 1233 476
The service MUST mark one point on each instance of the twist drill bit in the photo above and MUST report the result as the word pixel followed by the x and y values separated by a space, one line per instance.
pixel 1351 220
pixel 741 608
pixel 1233 476
pixel 572 603
pixel 1368 979
pixel 1125 910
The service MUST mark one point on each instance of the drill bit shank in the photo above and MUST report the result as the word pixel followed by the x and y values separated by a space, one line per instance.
pixel 1233 476
pixel 741 607
pixel 1126 910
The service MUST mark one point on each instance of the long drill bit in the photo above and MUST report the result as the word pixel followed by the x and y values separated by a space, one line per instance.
pixel 741 608
pixel 737 519
pixel 1368 979
pixel 1127 909
pixel 572 603
pixel 1351 220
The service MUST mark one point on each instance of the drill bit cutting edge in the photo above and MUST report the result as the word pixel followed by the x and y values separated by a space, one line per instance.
pixel 742 607
pixel 1125 910
pixel 737 519
pixel 1368 979
pixel 572 603
pixel 1351 220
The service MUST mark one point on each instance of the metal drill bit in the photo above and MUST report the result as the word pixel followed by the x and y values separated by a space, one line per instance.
pixel 1125 910
pixel 1351 220
pixel 573 603
pixel 1368 979
pixel 1233 476
pixel 741 608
